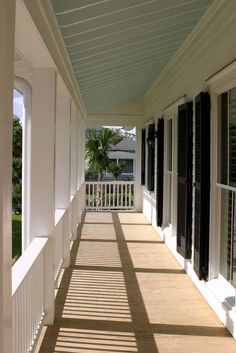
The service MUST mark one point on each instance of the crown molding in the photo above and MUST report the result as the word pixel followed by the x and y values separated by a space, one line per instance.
pixel 44 19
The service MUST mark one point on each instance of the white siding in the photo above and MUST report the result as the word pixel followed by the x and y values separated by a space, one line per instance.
pixel 210 48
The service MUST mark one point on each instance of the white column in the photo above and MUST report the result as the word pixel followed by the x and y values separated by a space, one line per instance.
pixel 74 168
pixel 82 165
pixel 7 32
pixel 62 176
pixel 42 170
pixel 137 186
pixel 80 147
pixel 74 151
pixel 43 151
pixel 62 169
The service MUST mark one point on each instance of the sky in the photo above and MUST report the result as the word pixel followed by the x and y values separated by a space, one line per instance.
pixel 18 104
pixel 130 130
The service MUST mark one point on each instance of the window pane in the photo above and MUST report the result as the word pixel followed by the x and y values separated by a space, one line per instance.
pixel 226 231
pixel 128 168
pixel 223 167
pixel 234 248
pixel 232 137
pixel 169 195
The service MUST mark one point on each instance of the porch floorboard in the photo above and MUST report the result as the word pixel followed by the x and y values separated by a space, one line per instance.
pixel 125 292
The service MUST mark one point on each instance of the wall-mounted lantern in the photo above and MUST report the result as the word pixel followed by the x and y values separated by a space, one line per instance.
pixel 152 135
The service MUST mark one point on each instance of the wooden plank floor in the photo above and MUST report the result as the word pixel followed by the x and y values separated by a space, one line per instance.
pixel 125 292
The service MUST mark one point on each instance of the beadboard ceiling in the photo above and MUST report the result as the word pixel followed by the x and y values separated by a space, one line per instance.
pixel 118 48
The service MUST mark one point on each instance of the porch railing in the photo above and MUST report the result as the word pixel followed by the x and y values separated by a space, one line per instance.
pixel 105 195
pixel 30 275
pixel 28 296
pixel 58 247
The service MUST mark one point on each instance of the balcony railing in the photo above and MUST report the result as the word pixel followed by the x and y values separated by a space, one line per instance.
pixel 28 296
pixel 103 195
pixel 33 282
pixel 31 277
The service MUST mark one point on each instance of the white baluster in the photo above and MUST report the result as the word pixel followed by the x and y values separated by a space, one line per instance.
pixel 121 186
pixel 109 201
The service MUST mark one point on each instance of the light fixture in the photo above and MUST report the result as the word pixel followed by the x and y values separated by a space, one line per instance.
pixel 152 135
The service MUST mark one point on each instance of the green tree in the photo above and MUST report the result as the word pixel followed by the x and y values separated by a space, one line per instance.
pixel 17 165
pixel 116 169
pixel 97 148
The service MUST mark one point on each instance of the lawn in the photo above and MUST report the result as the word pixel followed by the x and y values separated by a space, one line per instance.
pixel 16 237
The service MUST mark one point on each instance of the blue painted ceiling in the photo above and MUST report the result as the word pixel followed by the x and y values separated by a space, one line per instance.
pixel 118 48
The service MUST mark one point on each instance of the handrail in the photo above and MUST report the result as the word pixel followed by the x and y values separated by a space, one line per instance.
pixel 32 286
pixel 110 182
pixel 23 265
pixel 28 296
pixel 109 195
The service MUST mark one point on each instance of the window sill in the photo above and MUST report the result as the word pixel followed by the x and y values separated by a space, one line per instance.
pixel 223 291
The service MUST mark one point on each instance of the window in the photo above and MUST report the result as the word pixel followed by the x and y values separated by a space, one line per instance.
pixel 228 236
pixel 169 145
pixel 151 157
pixel 169 169
pixel 227 138
pixel 128 168
pixel 227 183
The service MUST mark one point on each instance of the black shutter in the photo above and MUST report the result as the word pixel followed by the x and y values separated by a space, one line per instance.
pixel 202 185
pixel 151 159
pixel 159 161
pixel 184 198
pixel 143 156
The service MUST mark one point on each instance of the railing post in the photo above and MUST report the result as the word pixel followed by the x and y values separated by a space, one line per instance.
pixel 137 186
pixel 79 205
pixel 49 288
pixel 66 241
pixel 74 211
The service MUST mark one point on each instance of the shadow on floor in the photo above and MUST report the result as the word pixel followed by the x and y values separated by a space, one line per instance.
pixel 99 305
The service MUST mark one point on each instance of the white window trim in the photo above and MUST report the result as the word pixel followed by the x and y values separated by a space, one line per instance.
pixel 221 82
pixel 167 173
pixel 171 112
pixel 25 89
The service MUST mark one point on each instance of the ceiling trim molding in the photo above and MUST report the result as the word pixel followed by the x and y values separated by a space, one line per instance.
pixel 226 70
pixel 217 6
pixel 175 104
pixel 114 120
pixel 43 17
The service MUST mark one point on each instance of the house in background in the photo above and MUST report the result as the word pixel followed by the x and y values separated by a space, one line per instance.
pixel 124 151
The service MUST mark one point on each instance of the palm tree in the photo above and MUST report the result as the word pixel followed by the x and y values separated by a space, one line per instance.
pixel 116 169
pixel 97 148
pixel 96 153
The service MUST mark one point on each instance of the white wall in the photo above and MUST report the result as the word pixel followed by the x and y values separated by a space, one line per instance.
pixel 210 48
pixel 62 157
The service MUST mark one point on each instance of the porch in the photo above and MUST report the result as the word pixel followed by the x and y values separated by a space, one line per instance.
pixel 125 292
